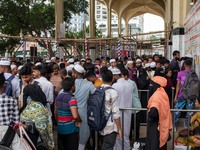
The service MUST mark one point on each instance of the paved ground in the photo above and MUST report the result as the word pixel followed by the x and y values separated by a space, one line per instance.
pixel 143 133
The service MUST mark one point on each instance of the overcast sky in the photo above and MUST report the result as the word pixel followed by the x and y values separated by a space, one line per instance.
pixel 153 23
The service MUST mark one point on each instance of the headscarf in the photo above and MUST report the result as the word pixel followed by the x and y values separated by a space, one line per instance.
pixel 36 94
pixel 160 101
pixel 153 87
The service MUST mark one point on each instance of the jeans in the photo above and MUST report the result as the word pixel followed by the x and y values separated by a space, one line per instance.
pixel 109 141
pixel 181 104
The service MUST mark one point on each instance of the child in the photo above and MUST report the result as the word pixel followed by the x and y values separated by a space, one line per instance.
pixel 196 133
pixel 66 113
pixel 170 85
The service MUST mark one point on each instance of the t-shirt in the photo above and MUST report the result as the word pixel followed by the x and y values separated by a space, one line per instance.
pixel 66 123
pixel 182 77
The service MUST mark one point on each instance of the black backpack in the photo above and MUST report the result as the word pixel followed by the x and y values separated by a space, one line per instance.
pixel 191 86
pixel 96 111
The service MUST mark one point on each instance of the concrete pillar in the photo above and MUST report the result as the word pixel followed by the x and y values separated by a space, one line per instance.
pixel 92 18
pixel 92 29
pixel 108 21
pixel 59 13
pixel 119 25
pixel 126 28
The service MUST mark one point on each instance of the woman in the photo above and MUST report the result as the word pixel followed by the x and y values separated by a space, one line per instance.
pixel 159 121
pixel 35 116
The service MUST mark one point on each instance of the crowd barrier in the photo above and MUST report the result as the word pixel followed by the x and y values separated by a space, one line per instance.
pixel 145 109
pixel 134 110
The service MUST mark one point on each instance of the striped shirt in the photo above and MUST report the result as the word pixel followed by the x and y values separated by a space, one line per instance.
pixel 66 124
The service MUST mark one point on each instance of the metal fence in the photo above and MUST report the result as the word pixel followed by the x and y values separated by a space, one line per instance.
pixel 145 109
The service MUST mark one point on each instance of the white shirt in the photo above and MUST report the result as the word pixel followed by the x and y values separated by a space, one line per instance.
pixel 111 103
pixel 47 88
pixel 15 85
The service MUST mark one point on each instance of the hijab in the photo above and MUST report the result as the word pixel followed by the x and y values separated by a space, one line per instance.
pixel 153 87
pixel 160 101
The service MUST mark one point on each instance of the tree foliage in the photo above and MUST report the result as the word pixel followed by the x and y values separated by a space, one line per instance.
pixel 33 17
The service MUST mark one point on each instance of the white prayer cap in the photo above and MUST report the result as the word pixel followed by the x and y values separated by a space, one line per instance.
pixel 76 63
pixel 13 67
pixel 112 60
pixel 4 63
pixel 138 61
pixel 48 61
pixel 20 67
pixel 82 59
pixel 115 71
pixel 189 56
pixel 53 58
pixel 71 60
pixel 153 64
pixel 79 68
pixel 147 65
pixel 38 64
pixel 130 62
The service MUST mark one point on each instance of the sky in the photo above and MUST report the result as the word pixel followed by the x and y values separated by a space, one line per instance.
pixel 153 23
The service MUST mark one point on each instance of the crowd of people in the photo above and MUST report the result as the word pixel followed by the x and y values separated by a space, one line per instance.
pixel 55 92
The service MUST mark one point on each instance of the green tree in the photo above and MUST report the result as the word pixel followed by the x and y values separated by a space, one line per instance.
pixel 33 17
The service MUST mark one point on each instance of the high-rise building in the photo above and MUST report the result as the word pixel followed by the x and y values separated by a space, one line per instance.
pixel 136 24
pixel 77 22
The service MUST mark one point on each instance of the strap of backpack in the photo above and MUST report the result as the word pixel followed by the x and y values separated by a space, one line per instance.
pixel 110 114
pixel 8 137
pixel 10 78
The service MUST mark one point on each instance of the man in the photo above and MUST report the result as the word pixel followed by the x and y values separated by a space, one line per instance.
pixel 112 128
pixel 71 64
pixel 112 64
pixel 174 66
pixel 9 113
pixel 132 71
pixel 26 77
pixel 124 90
pixel 83 89
pixel 39 74
pixel 103 63
pixel 15 83
pixel 180 101
pixel 135 103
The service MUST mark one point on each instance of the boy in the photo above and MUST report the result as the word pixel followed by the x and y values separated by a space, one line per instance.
pixel 66 113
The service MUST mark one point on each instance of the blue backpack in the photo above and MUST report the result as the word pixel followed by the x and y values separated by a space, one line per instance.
pixel 8 89
pixel 96 111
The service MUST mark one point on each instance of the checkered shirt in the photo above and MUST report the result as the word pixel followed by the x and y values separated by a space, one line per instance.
pixel 9 112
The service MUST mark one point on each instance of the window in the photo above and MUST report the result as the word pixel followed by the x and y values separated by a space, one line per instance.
pixel 98 7
pixel 98 16
pixel 104 17
pixel 98 12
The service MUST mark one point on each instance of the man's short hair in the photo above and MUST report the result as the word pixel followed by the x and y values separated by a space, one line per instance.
pixel 26 70
pixel 188 62
pixel 175 53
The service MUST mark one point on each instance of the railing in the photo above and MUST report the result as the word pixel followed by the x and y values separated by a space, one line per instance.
pixel 145 109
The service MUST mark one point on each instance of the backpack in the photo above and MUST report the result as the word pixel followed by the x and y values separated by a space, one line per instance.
pixel 96 111
pixel 8 89
pixel 191 86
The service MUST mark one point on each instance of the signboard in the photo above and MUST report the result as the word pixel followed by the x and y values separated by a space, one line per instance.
pixel 192 35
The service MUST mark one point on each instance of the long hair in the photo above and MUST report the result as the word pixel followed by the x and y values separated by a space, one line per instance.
pixel 36 94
